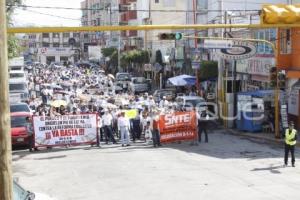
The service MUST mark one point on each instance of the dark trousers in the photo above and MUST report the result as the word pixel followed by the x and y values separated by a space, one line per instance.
pixel 136 129
pixel 31 143
pixel 200 130
pixel 156 138
pixel 109 134
pixel 287 149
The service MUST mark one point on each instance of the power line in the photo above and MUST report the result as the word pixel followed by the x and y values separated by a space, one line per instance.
pixel 121 10
pixel 47 14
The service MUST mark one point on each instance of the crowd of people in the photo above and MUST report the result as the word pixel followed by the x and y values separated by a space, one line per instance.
pixel 58 90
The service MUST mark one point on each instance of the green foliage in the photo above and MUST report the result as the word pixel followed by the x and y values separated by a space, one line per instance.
pixel 108 52
pixel 136 57
pixel 208 69
pixel 12 41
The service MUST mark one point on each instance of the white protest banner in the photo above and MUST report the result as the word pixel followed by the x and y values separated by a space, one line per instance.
pixel 65 129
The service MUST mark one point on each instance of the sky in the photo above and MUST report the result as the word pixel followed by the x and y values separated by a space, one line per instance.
pixel 30 17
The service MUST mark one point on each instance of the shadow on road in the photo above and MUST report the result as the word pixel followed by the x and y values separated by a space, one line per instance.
pixel 272 169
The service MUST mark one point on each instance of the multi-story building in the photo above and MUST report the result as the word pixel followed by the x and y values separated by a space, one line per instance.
pixel 128 16
pixel 53 47
pixel 99 13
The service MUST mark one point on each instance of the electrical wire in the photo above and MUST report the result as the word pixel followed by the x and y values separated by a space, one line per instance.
pixel 121 10
pixel 47 14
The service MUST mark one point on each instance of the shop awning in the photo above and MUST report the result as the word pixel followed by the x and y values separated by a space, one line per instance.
pixel 182 80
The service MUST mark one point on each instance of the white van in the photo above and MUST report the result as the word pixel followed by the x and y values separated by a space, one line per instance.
pixel 19 87
pixel 17 75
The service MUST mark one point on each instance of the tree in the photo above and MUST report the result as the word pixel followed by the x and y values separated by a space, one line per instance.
pixel 158 57
pixel 208 69
pixel 12 40
pixel 112 54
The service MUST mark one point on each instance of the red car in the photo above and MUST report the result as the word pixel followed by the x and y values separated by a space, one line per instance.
pixel 19 135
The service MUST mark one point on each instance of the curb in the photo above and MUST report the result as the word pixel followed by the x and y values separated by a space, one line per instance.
pixel 257 136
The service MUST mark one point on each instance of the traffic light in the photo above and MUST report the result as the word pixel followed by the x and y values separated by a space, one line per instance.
pixel 281 80
pixel 170 36
pixel 280 14
pixel 273 77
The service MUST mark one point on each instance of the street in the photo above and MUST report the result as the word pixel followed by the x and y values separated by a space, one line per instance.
pixel 228 167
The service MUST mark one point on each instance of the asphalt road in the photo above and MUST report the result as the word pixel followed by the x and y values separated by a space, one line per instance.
pixel 228 167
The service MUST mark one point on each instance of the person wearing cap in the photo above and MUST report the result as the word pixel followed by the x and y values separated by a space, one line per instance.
pixel 290 137
pixel 123 127
pixel 164 102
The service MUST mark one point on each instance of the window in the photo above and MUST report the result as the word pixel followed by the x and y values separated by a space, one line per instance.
pixel 76 35
pixel 45 35
pixel 86 35
pixel 66 45
pixel 202 4
pixel 46 44
pixel 98 22
pixel 156 1
pixel 66 35
pixel 32 45
pixel 55 35
pixel 55 44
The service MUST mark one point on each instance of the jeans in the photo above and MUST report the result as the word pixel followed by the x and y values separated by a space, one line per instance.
pixel 287 149
pixel 124 135
pixel 200 130
pixel 109 134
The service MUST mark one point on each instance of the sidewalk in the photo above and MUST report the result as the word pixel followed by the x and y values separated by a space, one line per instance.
pixel 263 137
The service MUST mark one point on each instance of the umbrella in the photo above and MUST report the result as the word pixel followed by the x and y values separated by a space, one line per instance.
pixel 111 76
pixel 182 80
pixel 58 103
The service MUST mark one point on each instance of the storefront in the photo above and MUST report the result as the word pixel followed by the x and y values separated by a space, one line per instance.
pixel 61 55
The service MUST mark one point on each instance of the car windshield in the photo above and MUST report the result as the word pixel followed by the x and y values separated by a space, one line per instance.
pixel 194 102
pixel 16 86
pixel 123 76
pixel 17 75
pixel 19 108
pixel 18 121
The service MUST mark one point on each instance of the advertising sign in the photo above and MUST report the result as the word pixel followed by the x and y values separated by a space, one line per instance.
pixel 218 44
pixel 240 50
pixel 178 126
pixel 65 129
pixel 293 100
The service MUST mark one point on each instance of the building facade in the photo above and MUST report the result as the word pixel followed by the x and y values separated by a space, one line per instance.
pixel 99 13
pixel 53 47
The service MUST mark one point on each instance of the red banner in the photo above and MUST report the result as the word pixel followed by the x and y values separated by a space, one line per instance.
pixel 178 126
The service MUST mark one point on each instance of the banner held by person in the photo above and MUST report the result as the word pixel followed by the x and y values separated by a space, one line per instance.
pixel 179 126
pixel 65 130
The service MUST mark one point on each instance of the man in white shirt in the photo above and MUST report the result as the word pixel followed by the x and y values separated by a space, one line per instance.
pixel 107 120
pixel 123 126
pixel 164 102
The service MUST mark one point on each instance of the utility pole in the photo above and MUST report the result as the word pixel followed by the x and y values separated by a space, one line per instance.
pixel 196 42
pixel 5 138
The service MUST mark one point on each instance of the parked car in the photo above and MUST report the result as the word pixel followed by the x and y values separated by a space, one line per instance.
pixel 139 85
pixel 123 80
pixel 190 102
pixel 19 135
pixel 123 76
pixel 170 94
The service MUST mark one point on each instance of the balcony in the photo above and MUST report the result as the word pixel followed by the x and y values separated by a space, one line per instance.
pixel 129 15
pixel 132 14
